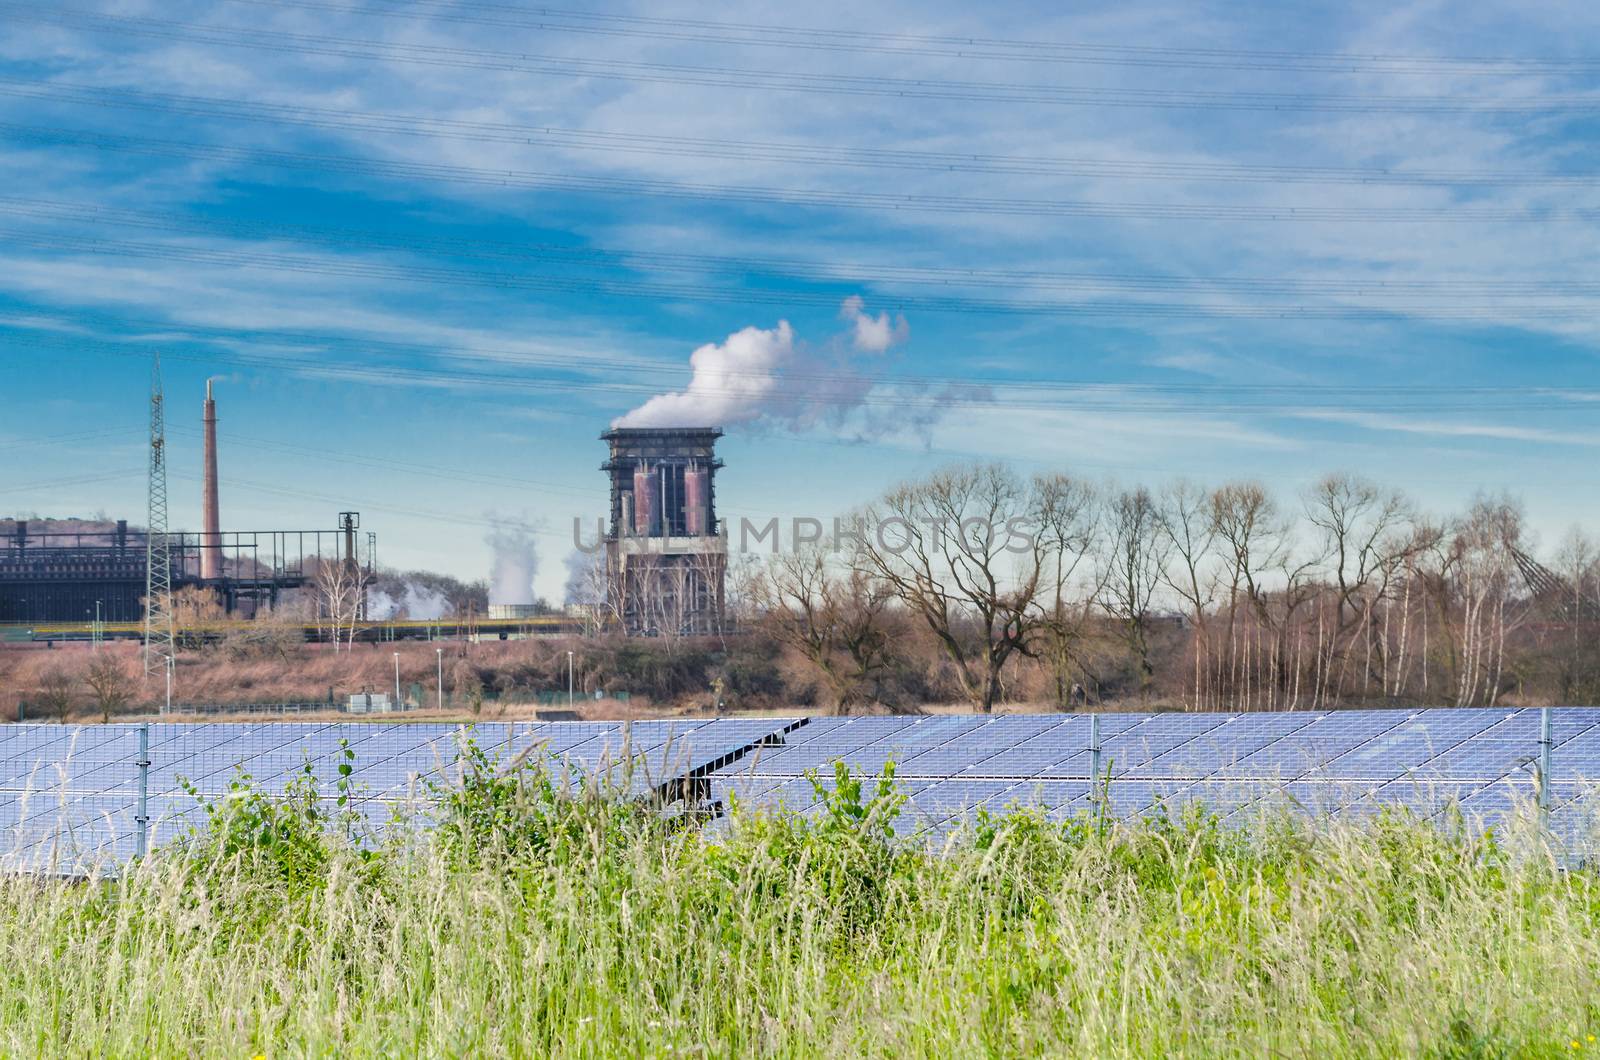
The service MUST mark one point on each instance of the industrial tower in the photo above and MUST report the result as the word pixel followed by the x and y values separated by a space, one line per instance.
pixel 665 557
pixel 159 641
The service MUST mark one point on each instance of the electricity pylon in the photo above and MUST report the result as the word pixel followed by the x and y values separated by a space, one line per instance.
pixel 159 640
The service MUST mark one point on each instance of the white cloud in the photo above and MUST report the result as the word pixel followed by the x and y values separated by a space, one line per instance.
pixel 1442 428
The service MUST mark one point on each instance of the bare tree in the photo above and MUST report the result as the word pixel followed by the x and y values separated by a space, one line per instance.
pixel 1368 535
pixel 1135 567
pixel 707 578
pixel 196 612
pixel 1267 580
pixel 592 590
pixel 835 619
pixel 465 683
pixel 661 592
pixel 273 634
pixel 1481 563
pixel 961 551
pixel 55 693
pixel 1577 563
pixel 110 684
pixel 1068 532
pixel 1186 521
pixel 339 592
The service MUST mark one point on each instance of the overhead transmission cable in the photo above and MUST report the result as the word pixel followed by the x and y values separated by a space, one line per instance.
pixel 828 272
pixel 360 269
pixel 582 363
pixel 549 19
pixel 1109 397
pixel 880 202
pixel 347 120
pixel 302 44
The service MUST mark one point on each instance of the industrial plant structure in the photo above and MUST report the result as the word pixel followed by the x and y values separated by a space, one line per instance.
pixel 665 556
pixel 98 570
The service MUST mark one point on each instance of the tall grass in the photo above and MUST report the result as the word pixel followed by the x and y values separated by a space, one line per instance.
pixel 533 919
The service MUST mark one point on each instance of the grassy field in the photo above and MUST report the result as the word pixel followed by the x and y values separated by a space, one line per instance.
pixel 531 922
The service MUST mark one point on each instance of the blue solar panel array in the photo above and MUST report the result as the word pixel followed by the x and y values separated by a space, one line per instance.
pixel 1349 762
pixel 69 794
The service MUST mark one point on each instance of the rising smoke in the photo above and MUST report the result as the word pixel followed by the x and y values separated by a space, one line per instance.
pixel 769 376
pixel 516 561
pixel 413 601
pixel 586 572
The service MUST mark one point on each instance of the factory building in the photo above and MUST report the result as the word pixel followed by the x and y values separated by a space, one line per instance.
pixel 666 559
pixel 76 572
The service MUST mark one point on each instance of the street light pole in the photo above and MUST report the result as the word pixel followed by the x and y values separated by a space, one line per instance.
pixel 569 679
pixel 440 653
pixel 171 663
pixel 396 680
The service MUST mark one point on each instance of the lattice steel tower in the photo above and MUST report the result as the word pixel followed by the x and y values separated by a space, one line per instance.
pixel 159 644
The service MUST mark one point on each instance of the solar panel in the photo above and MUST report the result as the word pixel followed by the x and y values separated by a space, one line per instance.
pixel 1315 746
pixel 814 751
pixel 1220 749
pixel 1128 752
pixel 1413 743
pixel 68 793
pixel 975 745
pixel 1030 750
pixel 1579 756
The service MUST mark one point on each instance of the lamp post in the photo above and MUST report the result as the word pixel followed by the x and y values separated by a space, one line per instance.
pixel 171 665
pixel 440 653
pixel 396 680
pixel 569 679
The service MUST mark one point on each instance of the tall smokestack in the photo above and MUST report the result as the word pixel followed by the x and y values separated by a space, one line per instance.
pixel 211 535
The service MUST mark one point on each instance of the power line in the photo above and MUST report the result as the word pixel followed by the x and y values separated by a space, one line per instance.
pixel 946 46
pixel 75 436
pixel 1471 310
pixel 765 151
pixel 301 44
pixel 454 474
pixel 878 202
pixel 822 272
pixel 366 503
pixel 1285 400
pixel 75 480
pixel 343 457
pixel 317 349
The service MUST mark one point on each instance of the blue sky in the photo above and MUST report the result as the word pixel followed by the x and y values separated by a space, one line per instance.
pixel 430 251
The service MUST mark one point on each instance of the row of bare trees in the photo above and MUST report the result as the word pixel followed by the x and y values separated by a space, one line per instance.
pixel 1221 598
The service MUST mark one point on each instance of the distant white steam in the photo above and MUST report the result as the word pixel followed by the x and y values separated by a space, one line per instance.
pixel 516 561
pixel 415 601
pixel 768 375
pixel 586 586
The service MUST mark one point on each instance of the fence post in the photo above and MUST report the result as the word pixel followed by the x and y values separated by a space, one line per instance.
pixel 1546 742
pixel 141 817
pixel 1094 745
pixel 1094 763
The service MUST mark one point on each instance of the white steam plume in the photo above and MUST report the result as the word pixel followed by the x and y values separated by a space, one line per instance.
pixel 873 334
pixel 516 561
pixel 586 572
pixel 415 601
pixel 767 375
